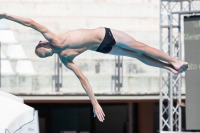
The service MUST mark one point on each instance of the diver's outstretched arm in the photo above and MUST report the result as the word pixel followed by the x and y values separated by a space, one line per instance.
pixel 86 85
pixel 50 36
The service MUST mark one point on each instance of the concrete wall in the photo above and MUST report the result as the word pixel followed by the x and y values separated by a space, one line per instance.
pixel 138 18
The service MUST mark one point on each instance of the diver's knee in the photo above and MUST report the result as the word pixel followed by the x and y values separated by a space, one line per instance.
pixel 141 47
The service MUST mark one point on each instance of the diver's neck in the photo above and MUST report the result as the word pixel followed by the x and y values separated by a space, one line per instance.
pixel 55 50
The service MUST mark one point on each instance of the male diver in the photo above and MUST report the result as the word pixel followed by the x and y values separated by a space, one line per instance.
pixel 104 40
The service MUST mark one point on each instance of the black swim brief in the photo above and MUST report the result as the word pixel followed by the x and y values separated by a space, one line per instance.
pixel 107 43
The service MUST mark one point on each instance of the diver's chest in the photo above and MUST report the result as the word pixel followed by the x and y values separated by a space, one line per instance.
pixel 69 54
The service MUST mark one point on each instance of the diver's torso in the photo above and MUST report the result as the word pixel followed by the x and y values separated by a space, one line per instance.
pixel 76 42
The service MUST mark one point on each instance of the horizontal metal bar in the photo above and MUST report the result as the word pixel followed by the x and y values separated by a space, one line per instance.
pixel 186 12
pixel 167 26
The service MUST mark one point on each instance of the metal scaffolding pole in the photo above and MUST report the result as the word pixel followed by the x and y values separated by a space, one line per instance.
pixel 0 64
pixel 57 77
pixel 118 78
pixel 170 43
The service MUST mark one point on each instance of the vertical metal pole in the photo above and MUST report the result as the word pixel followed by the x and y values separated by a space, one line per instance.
pixel 0 64
pixel 54 76
pixel 118 67
pixel 170 120
pixel 170 102
pixel 160 83
pixel 180 79
pixel 118 73
pixel 115 86
pixel 121 85
pixel 189 5
pixel 61 75
pixel 58 75
pixel 179 86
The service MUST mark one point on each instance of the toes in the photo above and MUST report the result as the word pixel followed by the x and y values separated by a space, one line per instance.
pixel 183 68
pixel 180 70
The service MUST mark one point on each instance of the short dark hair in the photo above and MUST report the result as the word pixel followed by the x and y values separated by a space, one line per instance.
pixel 38 46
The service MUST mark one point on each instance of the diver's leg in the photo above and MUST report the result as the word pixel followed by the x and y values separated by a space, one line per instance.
pixel 116 50
pixel 127 42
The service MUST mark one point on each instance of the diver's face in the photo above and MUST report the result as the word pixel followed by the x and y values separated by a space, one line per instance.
pixel 44 49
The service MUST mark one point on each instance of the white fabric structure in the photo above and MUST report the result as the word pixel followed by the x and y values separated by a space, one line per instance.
pixel 6 69
pixel 15 52
pixel 32 127
pixel 2 55
pixel 10 96
pixel 7 36
pixel 13 114
pixel 25 68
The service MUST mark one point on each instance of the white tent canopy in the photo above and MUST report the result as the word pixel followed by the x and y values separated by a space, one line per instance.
pixel 10 96
pixel 13 113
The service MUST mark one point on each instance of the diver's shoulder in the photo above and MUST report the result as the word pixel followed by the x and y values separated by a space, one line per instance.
pixel 81 30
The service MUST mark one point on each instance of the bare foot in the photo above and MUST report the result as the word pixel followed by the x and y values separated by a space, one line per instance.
pixel 180 66
pixel 171 69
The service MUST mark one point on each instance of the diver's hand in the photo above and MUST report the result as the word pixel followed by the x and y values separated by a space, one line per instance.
pixel 98 112
pixel 2 15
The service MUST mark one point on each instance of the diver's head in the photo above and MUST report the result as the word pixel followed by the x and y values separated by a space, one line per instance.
pixel 44 49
